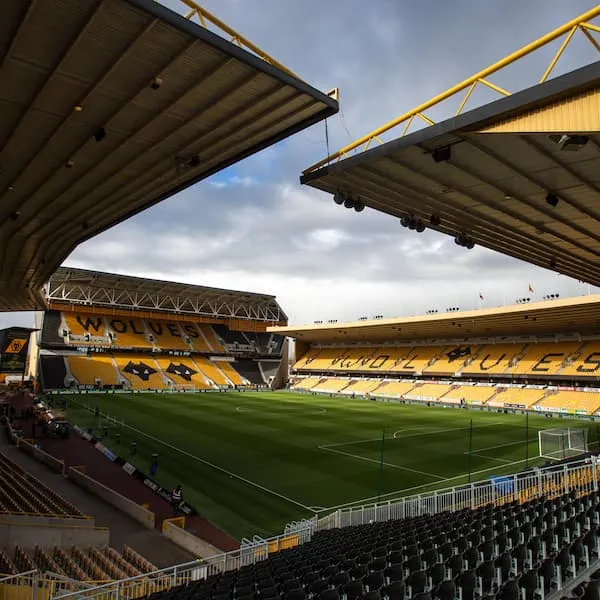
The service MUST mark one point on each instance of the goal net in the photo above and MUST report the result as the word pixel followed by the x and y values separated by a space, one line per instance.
pixel 558 444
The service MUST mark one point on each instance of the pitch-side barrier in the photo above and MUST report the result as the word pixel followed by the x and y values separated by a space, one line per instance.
pixel 580 477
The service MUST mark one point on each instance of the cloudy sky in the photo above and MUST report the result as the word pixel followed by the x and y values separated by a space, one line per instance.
pixel 254 227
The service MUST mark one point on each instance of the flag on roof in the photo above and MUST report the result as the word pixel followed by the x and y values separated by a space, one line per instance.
pixel 480 296
pixel 530 289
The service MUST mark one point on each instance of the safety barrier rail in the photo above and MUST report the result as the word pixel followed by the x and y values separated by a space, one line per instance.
pixel 552 481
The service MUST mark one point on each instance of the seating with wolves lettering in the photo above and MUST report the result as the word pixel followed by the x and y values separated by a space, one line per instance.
pixel 575 359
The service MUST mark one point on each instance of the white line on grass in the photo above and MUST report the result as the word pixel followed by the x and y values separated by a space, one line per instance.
pixel 378 462
pixel 401 437
pixel 502 460
pixel 221 469
pixel 399 493
pixel 502 445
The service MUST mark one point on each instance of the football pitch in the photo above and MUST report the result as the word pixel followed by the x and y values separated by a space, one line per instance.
pixel 251 462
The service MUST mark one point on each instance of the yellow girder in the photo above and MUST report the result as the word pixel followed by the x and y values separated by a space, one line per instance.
pixel 582 23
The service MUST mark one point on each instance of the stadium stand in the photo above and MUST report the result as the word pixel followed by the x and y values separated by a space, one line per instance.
pixel 143 348
pixel 23 493
pixel 504 552
pixel 89 564
pixel 530 365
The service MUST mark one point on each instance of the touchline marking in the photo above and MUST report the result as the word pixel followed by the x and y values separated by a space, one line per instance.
pixel 246 409
pixel 401 437
pixel 378 462
pixel 221 469
pixel 502 445
pixel 502 460
pixel 398 494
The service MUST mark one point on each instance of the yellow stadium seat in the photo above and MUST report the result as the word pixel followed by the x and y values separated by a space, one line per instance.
pixel 167 335
pixel 331 385
pixel 141 371
pixel 544 359
pixel 363 386
pixel 87 370
pixel 584 362
pixel 516 397
pixel 572 402
pixel 470 394
pixel 230 372
pixel 394 388
pixel 211 371
pixel 492 359
pixel 183 372
pixel 128 332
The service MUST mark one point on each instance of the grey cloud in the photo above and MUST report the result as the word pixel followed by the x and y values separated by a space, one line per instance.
pixel 386 56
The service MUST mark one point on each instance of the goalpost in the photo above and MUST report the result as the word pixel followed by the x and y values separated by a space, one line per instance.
pixel 558 444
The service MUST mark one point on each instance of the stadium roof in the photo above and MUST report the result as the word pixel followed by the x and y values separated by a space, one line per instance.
pixel 571 315
pixel 520 175
pixel 83 288
pixel 110 106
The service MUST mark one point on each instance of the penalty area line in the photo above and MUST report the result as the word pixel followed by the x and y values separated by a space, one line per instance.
pixel 378 462
pixel 400 494
pixel 221 469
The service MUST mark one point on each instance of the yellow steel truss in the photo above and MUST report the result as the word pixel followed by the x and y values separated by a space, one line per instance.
pixel 205 17
pixel 581 23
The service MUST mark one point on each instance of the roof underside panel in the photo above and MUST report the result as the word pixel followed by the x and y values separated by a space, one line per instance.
pixel 494 187
pixel 59 186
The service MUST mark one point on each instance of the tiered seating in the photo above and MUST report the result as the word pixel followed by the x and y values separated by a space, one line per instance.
pixel 544 359
pixel 585 362
pixel 332 385
pixel 362 386
pixel 129 333
pixel 167 336
pixel 395 388
pixel 417 359
pixel 183 371
pixel 502 553
pixel 82 564
pixel 20 492
pixel 7 566
pixel 491 359
pixel 80 324
pixel 306 383
pixel 587 402
pixel 249 370
pixel 430 391
pixel 211 370
pixel 470 394
pixel 526 397
pixel 141 371
pixel 228 370
pixel 87 370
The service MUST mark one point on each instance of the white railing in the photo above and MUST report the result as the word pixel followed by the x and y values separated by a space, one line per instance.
pixel 581 476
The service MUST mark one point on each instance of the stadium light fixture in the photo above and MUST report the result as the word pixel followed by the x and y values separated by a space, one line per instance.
pixel 156 83
pixel 442 154
pixel 569 142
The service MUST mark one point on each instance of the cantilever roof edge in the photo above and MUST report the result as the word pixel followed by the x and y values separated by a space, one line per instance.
pixel 569 84
pixel 164 13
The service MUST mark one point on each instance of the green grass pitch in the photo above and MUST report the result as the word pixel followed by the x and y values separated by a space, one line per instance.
pixel 253 461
